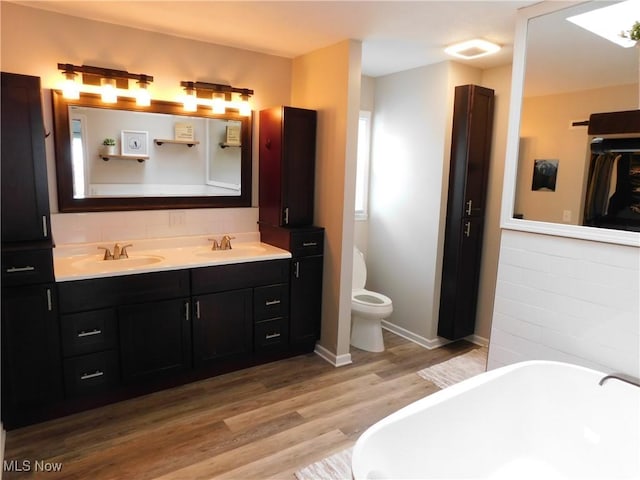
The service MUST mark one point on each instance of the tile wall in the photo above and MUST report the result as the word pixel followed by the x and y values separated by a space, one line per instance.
pixel 567 300
pixel 70 228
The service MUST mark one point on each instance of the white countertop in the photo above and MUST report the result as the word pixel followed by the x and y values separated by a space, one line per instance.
pixel 85 261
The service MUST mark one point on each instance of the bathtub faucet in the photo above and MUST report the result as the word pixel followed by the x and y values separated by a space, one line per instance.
pixel 622 377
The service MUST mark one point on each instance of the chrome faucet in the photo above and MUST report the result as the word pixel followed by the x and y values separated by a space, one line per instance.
pixel 623 377
pixel 118 252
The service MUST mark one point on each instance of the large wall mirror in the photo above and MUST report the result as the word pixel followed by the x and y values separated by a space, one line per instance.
pixel 562 74
pixel 163 157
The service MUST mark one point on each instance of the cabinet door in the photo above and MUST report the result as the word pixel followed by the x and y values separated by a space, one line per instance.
pixel 25 197
pixel 460 274
pixel 306 299
pixel 299 160
pixel 222 326
pixel 287 166
pixel 155 339
pixel 31 361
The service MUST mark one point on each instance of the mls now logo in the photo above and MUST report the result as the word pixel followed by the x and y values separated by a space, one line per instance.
pixel 31 466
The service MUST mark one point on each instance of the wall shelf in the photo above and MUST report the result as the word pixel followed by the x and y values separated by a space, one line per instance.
pixel 189 143
pixel 227 145
pixel 139 158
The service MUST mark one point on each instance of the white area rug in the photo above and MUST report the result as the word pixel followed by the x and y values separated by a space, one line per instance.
pixel 456 369
pixel 335 467
pixel 338 465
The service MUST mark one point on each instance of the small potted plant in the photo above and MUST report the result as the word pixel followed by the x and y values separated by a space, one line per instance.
pixel 633 33
pixel 109 146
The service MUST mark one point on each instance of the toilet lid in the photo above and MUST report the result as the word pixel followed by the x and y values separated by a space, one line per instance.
pixel 359 270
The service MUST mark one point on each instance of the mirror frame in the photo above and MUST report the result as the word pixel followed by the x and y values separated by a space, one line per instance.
pixel 64 172
pixel 621 237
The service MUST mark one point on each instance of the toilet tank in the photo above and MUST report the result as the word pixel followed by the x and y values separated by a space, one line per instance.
pixel 359 270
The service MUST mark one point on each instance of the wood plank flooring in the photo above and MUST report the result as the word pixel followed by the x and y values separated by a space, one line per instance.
pixel 263 422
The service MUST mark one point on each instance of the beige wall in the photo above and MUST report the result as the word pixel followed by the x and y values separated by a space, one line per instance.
pixel 546 133
pixel 328 80
pixel 34 41
pixel 499 79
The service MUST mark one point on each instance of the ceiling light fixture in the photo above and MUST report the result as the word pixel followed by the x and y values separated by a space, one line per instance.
pixel 110 82
pixel 218 96
pixel 472 49
pixel 608 22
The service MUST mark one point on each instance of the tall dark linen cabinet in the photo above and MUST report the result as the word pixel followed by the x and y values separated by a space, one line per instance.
pixel 468 173
pixel 31 366
pixel 287 179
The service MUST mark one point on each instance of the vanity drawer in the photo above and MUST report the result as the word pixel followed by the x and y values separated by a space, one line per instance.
pixel 89 332
pixel 221 278
pixel 270 301
pixel 91 374
pixel 22 267
pixel 307 242
pixel 271 334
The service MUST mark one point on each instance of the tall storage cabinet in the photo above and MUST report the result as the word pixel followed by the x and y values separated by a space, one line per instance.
pixel 287 166
pixel 469 168
pixel 31 363
pixel 287 179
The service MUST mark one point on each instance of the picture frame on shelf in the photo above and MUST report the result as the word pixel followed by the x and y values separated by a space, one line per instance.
pixel 134 143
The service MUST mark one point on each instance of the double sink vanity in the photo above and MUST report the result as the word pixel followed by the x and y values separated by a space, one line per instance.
pixel 85 325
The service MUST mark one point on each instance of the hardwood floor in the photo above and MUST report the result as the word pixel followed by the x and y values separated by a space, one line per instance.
pixel 263 422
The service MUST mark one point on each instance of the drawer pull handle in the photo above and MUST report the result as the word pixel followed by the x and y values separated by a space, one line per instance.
pixel 272 302
pixel 269 336
pixel 95 374
pixel 85 333
pixel 28 268
pixel 309 244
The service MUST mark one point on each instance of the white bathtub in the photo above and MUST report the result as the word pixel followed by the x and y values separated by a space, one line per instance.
pixel 532 420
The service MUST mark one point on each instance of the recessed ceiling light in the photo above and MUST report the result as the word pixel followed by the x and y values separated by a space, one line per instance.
pixel 609 22
pixel 472 49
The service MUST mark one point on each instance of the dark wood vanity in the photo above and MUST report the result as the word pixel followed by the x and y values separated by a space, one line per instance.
pixel 73 345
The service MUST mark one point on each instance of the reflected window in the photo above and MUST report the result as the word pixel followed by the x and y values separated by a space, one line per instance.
pixel 77 156
pixel 362 169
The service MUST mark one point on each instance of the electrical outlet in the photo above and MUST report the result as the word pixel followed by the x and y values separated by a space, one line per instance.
pixel 177 219
pixel 566 215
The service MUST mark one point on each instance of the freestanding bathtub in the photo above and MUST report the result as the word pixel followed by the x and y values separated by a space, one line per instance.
pixel 531 420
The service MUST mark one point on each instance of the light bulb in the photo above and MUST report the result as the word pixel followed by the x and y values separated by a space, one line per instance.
pixel 190 102
pixel 143 97
pixel 218 103
pixel 109 93
pixel 245 106
pixel 70 88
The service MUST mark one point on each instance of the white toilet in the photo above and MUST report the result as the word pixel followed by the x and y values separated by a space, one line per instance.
pixel 367 309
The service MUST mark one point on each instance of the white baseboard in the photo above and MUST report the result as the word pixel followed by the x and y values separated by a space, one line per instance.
pixel 478 340
pixel 332 358
pixel 426 342
pixel 415 338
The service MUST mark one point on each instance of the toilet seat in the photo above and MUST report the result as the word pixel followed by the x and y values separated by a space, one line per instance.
pixel 368 302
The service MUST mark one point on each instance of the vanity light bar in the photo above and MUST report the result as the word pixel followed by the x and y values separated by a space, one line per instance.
pixel 100 76
pixel 218 96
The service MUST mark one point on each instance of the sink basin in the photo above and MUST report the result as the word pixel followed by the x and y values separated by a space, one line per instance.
pixel 96 263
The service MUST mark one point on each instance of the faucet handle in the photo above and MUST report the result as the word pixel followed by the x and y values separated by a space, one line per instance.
pixel 215 245
pixel 107 253
pixel 225 244
pixel 123 250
